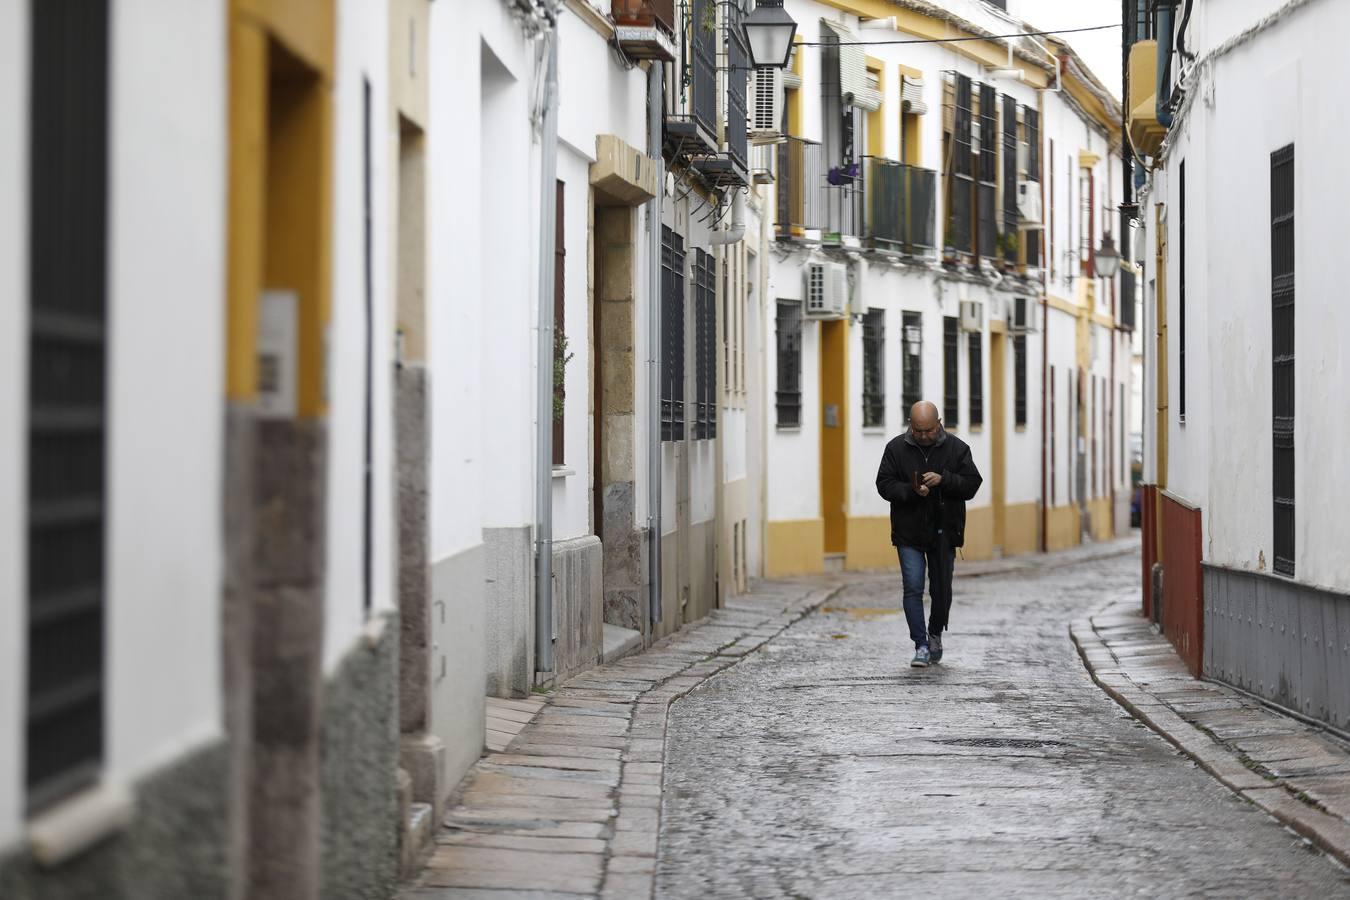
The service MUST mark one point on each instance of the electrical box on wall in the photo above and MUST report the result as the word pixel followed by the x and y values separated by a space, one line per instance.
pixel 972 315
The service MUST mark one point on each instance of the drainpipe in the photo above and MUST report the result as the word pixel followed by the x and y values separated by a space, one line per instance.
pixel 655 107
pixel 543 524
pixel 736 230
pixel 1045 347
pixel 1162 96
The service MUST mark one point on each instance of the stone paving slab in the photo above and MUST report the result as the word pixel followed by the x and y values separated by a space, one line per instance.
pixel 571 804
pixel 1295 771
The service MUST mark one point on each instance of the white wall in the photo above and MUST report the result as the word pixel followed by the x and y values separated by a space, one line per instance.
pixel 482 236
pixel 1262 96
pixel 13 408
pixel 362 53
pixel 166 300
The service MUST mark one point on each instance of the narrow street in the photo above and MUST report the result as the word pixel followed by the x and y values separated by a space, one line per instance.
pixel 824 766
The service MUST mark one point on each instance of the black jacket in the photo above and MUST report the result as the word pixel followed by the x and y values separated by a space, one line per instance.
pixel 914 519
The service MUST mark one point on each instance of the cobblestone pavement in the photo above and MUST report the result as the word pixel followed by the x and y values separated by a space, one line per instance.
pixel 823 766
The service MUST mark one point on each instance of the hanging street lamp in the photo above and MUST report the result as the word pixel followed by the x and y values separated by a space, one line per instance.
pixel 769 31
pixel 1106 260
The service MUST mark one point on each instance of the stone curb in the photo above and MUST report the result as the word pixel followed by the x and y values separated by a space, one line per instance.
pixel 573 803
pixel 1328 832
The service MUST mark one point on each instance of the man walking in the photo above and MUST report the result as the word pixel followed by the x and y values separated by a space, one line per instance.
pixel 927 475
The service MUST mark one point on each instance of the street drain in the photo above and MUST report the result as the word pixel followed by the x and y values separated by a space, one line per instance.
pixel 1001 743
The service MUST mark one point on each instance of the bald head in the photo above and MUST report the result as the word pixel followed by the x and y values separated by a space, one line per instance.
pixel 923 422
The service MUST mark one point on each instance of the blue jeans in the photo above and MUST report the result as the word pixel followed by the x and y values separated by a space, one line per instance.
pixel 938 564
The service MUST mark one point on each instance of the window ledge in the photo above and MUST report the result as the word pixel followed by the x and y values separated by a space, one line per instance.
pixel 788 429
pixel 875 429
pixel 975 429
pixel 1020 429
pixel 563 471
pixel 79 822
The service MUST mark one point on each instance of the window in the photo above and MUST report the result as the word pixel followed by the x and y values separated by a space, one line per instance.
pixel 672 335
pixel 960 168
pixel 789 394
pixel 951 392
pixel 1031 127
pixel 987 172
pixel 1010 215
pixel 67 421
pixel 1086 221
pixel 560 353
pixel 974 346
pixel 1282 351
pixel 1019 379
pixel 874 368
pixel 911 347
pixel 705 345
pixel 1181 296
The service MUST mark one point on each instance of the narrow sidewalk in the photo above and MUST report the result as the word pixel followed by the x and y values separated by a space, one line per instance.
pixel 1294 770
pixel 572 804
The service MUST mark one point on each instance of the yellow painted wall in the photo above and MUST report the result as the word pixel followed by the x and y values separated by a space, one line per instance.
pixel 1099 512
pixel 869 544
pixel 1021 528
pixel 979 533
pixel 794 547
pixel 1063 528
pixel 280 170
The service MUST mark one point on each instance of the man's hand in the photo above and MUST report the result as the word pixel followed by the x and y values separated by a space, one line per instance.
pixel 931 479
pixel 923 490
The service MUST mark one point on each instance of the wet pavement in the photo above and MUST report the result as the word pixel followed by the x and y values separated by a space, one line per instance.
pixel 823 766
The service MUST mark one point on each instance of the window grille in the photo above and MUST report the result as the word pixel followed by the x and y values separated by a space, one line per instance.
pixel 1282 351
pixel 672 335
pixel 911 348
pixel 874 368
pixel 67 422
pixel 951 394
pixel 975 349
pixel 789 394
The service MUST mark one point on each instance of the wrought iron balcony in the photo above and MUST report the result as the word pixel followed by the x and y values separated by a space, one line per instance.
pixel 901 207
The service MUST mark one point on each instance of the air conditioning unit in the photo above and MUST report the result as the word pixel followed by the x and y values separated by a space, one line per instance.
pixel 826 290
pixel 766 105
pixel 1023 315
pixel 972 315
pixel 1029 204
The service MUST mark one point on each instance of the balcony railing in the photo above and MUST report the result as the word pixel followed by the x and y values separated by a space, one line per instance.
pixel 901 207
pixel 844 211
pixel 644 13
pixel 800 183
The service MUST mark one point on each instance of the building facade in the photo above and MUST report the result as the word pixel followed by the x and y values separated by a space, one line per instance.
pixel 937 207
pixel 1243 497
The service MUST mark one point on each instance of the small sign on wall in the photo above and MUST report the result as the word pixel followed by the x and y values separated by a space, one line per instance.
pixel 277 351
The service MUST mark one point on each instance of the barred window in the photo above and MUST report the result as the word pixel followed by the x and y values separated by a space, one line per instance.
pixel 672 335
pixel 987 172
pixel 874 368
pixel 960 182
pixel 789 394
pixel 1282 352
pixel 911 348
pixel 975 348
pixel 951 394
pixel 705 345
pixel 67 394
pixel 1010 213
pixel 1019 379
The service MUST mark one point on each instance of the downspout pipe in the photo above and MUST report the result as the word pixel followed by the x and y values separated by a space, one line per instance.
pixel 736 230
pixel 543 524
pixel 1164 83
pixel 655 108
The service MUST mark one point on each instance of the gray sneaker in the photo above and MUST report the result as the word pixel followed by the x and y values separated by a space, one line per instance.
pixel 920 660
pixel 935 647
